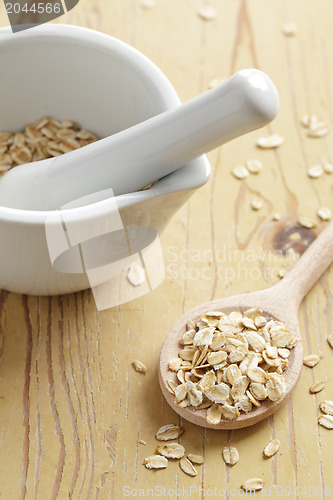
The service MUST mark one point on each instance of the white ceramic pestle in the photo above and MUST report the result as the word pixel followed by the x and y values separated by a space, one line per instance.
pixel 135 157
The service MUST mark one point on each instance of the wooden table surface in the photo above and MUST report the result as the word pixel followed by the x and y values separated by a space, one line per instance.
pixel 72 408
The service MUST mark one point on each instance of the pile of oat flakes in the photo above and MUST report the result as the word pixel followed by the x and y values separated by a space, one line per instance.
pixel 43 139
pixel 230 363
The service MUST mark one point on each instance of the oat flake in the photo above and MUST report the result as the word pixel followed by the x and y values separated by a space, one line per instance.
pixel 187 467
pixel 196 459
pixel 328 168
pixel 254 166
pixel 155 462
pixel 271 448
pixel 139 367
pixel 311 360
pixel 308 120
pixel 289 29
pixel 215 82
pixel 254 483
pixel 147 4
pixel 326 421
pixel 230 455
pixel 272 141
pixel 318 132
pixel 306 222
pixel 168 432
pixel 171 386
pixel 207 13
pixel 136 274
pixel 171 450
pixel 324 213
pixel 240 172
pixel 256 204
pixel 326 407
pixel 317 387
pixel 315 171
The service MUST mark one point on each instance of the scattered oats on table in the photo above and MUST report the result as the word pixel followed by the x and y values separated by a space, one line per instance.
pixel 207 13
pixel 230 455
pixel 326 421
pixel 171 450
pixel 147 4
pixel 315 171
pixel 324 213
pixel 315 128
pixel 240 172
pixel 230 363
pixel 271 448
pixel 276 217
pixel 318 130
pixel 311 360
pixel 187 467
pixel 328 168
pixel 155 462
pixel 256 203
pixel 168 432
pixel 308 120
pixel 317 387
pixel 215 82
pixel 326 407
pixel 139 367
pixel 196 459
pixel 254 166
pixel 306 222
pixel 271 141
pixel 289 29
pixel 253 484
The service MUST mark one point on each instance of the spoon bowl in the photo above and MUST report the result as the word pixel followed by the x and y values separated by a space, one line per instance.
pixel 280 303
pixel 261 300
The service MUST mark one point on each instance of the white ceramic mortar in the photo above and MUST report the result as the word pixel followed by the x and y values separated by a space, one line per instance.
pixel 68 72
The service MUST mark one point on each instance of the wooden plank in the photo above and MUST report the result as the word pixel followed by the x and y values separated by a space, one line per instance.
pixel 72 408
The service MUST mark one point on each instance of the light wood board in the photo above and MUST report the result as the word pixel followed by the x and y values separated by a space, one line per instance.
pixel 72 409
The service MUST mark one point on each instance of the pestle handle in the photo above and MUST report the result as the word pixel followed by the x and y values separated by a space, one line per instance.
pixel 141 154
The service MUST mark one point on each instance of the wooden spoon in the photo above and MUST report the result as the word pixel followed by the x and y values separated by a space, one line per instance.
pixel 280 302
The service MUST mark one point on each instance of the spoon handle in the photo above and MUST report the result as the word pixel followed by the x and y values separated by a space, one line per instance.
pixel 311 265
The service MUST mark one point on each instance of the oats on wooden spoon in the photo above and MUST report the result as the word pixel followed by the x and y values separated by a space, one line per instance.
pixel 220 392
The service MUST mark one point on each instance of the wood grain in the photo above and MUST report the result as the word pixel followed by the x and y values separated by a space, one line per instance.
pixel 72 408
